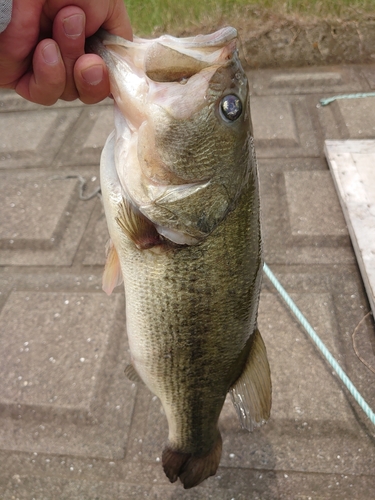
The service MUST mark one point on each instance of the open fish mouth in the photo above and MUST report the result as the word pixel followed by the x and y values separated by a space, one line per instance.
pixel 143 64
pixel 170 59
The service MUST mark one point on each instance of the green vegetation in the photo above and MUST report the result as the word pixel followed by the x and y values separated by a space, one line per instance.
pixel 148 16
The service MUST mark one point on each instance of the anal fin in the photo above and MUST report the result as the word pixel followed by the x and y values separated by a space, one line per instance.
pixel 132 374
pixel 252 392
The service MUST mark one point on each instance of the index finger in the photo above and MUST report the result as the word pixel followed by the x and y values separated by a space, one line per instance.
pixel 118 23
pixel 109 14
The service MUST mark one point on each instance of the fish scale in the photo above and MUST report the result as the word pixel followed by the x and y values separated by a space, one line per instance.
pixel 202 306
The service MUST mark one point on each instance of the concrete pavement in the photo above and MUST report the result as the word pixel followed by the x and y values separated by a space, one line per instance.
pixel 71 425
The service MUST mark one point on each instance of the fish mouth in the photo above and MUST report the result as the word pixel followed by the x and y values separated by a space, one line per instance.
pixel 169 59
pixel 208 43
pixel 175 73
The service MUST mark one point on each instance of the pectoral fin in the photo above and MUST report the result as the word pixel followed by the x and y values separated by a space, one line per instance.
pixel 112 275
pixel 252 392
pixel 137 227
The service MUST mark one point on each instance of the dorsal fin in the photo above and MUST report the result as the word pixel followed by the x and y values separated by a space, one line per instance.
pixel 252 392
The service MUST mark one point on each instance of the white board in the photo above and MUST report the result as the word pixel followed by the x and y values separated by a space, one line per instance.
pixel 352 164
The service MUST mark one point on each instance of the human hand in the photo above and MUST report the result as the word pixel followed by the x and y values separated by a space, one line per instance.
pixel 42 54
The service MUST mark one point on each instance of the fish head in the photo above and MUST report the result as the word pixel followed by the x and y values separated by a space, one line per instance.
pixel 183 145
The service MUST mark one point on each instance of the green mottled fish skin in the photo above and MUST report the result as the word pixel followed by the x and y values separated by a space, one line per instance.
pixel 190 314
pixel 183 215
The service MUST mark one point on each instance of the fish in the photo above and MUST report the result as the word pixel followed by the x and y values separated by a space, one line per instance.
pixel 180 190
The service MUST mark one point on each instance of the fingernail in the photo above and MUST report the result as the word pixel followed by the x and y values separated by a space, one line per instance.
pixel 50 54
pixel 73 25
pixel 93 75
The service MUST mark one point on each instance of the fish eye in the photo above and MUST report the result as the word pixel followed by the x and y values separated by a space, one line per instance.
pixel 231 107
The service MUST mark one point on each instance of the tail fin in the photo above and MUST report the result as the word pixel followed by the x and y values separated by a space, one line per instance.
pixel 191 469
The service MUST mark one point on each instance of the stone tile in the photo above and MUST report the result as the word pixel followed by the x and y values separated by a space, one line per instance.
pixel 315 210
pixel 97 238
pixel 287 485
pixel 32 138
pixel 282 127
pixel 70 467
pixel 330 122
pixel 323 436
pixel 358 116
pixel 42 488
pixel 303 383
pixel 3 485
pixel 357 340
pixel 279 129
pixel 43 218
pixel 245 483
pixel 324 486
pixel 33 209
pixel 364 344
pixel 51 369
pixel 349 119
pixel 30 134
pixel 48 278
pixel 314 80
pixel 281 219
pixel 101 129
pixel 64 390
pixel 353 328
pixel 228 484
pixel 11 101
pixel 84 144
pixel 369 73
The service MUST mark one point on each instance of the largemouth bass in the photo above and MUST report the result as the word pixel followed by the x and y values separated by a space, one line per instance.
pixel 180 192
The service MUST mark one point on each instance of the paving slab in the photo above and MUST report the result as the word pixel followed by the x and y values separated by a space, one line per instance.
pixel 32 138
pixel 338 79
pixel 315 213
pixel 86 139
pixel 287 210
pixel 282 127
pixel 43 216
pixel 353 118
pixel 59 359
pixel 71 425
